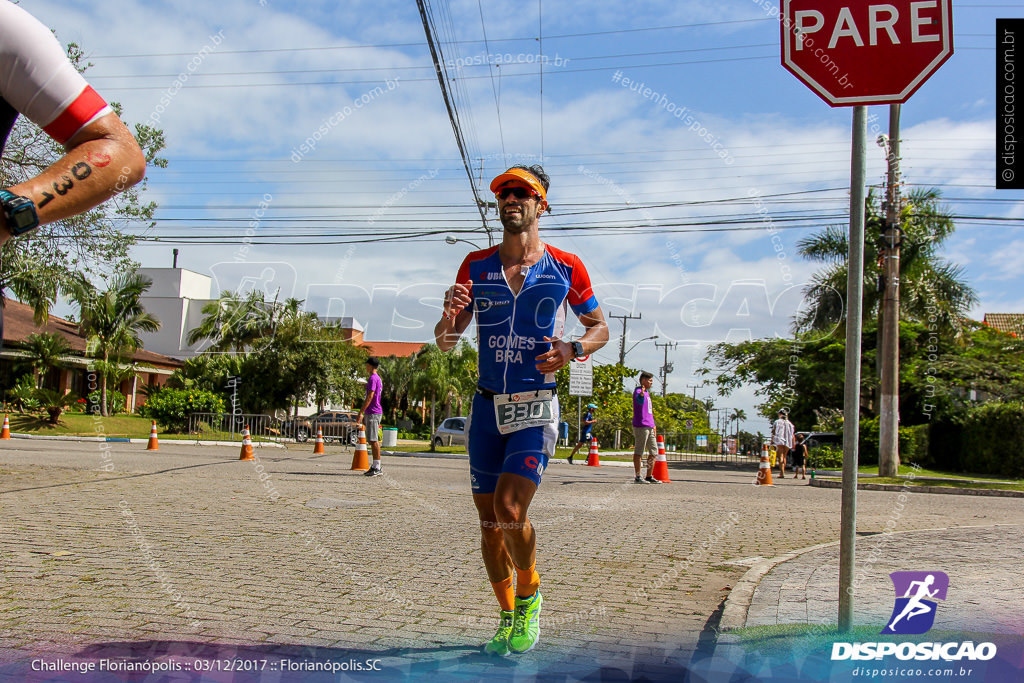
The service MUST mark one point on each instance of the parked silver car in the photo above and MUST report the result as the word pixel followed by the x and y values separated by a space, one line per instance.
pixel 451 432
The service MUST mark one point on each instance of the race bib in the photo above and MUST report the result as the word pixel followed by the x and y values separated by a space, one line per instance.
pixel 513 412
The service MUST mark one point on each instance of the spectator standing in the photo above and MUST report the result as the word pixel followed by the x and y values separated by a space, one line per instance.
pixel 645 434
pixel 372 411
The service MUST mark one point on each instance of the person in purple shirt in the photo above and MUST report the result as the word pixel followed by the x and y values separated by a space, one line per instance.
pixel 645 434
pixel 372 413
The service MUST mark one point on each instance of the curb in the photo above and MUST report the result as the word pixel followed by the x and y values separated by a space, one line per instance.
pixel 737 603
pixel 734 614
pixel 107 439
pixel 914 488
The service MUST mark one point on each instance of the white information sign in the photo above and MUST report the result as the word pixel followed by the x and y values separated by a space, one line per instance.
pixel 581 376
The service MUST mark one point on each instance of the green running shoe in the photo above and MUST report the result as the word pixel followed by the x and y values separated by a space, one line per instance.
pixel 498 645
pixel 526 625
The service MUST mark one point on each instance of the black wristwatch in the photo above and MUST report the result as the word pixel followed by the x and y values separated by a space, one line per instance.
pixel 19 212
pixel 577 348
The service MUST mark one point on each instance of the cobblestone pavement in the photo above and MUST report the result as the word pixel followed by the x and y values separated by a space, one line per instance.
pixel 188 552
pixel 984 565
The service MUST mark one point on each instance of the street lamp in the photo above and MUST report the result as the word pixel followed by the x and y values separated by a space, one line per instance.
pixel 454 240
pixel 638 343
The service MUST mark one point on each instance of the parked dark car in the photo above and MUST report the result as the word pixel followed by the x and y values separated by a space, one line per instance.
pixel 337 425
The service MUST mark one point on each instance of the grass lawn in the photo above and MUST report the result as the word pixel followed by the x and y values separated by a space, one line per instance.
pixel 81 424
pixel 949 483
pixel 907 470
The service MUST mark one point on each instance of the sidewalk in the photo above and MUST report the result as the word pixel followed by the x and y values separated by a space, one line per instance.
pixel 983 563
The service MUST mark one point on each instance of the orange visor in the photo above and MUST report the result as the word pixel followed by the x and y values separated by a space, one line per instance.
pixel 522 176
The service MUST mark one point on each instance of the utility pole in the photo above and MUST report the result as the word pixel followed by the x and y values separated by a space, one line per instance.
pixel 694 387
pixel 667 367
pixel 889 353
pixel 622 342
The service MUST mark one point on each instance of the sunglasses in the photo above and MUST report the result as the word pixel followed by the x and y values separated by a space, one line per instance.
pixel 517 192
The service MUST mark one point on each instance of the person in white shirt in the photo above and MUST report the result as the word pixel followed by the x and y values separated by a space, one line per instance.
pixel 782 439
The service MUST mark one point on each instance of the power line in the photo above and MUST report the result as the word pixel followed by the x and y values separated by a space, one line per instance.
pixel 452 116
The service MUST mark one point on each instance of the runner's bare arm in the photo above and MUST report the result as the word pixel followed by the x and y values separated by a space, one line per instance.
pixel 456 316
pixel 595 337
pixel 102 160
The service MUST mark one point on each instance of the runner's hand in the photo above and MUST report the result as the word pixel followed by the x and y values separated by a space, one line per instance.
pixel 557 357
pixel 457 298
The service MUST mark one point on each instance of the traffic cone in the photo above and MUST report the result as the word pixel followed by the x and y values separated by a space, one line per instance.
pixel 6 433
pixel 154 445
pixel 361 458
pixel 593 458
pixel 661 463
pixel 247 453
pixel 764 471
pixel 318 448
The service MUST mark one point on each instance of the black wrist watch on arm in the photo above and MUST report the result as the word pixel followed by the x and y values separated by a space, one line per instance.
pixel 577 348
pixel 19 213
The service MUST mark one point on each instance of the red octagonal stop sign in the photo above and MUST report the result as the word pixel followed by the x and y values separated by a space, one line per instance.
pixel 855 52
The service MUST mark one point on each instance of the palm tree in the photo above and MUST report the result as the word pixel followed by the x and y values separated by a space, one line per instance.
pixel 227 322
pixel 737 416
pixel 54 402
pixel 112 321
pixel 449 377
pixel 43 352
pixel 397 376
pixel 929 285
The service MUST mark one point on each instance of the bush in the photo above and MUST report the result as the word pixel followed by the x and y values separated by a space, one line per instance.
pixel 172 407
pixel 825 457
pixel 115 401
pixel 913 443
pixel 993 440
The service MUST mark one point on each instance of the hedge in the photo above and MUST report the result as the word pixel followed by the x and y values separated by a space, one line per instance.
pixel 172 407
pixel 993 440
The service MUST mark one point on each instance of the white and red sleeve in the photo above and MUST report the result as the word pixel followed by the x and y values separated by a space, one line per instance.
pixel 37 79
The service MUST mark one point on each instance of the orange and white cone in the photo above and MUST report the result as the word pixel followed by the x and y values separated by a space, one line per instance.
pixel 594 457
pixel 361 458
pixel 764 471
pixel 154 444
pixel 318 448
pixel 5 434
pixel 247 453
pixel 661 463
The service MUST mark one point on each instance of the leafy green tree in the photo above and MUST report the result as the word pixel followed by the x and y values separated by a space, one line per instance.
pixel 43 352
pixel 615 404
pixel 48 262
pixel 930 287
pixel 112 320
pixel 939 375
pixel 302 358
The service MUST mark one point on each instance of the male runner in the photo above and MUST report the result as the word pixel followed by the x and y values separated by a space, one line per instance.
pixel 37 80
pixel 518 292
pixel 588 424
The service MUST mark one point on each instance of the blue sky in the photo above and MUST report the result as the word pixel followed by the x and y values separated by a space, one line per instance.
pixel 383 178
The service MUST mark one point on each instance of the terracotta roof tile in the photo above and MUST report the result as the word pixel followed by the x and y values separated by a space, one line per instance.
pixel 19 324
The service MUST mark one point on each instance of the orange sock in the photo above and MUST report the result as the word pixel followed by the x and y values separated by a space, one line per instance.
pixel 503 591
pixel 527 581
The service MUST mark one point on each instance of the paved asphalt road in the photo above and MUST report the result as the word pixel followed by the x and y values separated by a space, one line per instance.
pixel 188 555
